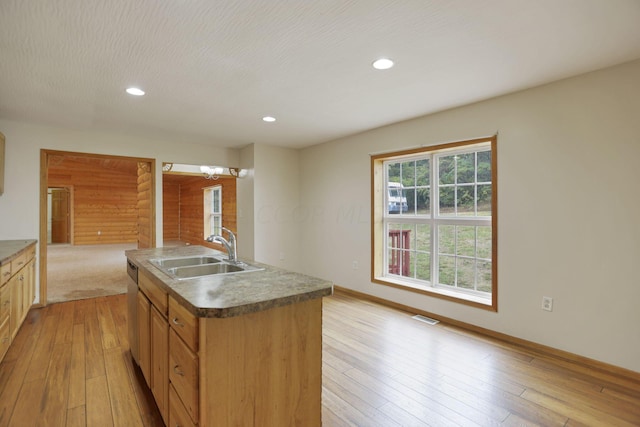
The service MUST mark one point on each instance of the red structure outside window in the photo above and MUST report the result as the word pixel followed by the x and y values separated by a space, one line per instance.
pixel 399 258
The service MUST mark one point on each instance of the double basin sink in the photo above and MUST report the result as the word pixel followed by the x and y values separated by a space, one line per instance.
pixel 199 266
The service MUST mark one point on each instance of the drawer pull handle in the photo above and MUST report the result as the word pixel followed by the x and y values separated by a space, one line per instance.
pixel 177 323
pixel 21 262
pixel 5 339
pixel 178 371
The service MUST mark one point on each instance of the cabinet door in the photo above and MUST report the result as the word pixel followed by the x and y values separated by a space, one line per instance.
pixel 28 291
pixel 15 317
pixel 178 415
pixel 144 336
pixel 160 362
pixel 5 337
pixel 184 373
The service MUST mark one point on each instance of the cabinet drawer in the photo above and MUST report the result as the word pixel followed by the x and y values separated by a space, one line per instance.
pixel 5 273
pixel 5 337
pixel 184 323
pixel 19 262
pixel 183 373
pixel 156 295
pixel 5 303
pixel 178 415
pixel 30 253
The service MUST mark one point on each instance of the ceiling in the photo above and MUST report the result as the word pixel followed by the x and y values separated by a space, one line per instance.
pixel 213 69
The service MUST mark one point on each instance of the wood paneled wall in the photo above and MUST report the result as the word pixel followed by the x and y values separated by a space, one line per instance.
pixel 105 199
pixel 146 239
pixel 190 217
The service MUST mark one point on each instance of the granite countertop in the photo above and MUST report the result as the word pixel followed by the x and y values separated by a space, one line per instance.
pixel 10 248
pixel 231 294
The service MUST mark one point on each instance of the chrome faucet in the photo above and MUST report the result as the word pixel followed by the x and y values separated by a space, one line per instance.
pixel 230 244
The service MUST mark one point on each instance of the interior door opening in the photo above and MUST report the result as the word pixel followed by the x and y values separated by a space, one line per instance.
pixel 59 228
pixel 93 207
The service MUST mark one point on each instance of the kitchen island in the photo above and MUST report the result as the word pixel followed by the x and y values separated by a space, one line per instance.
pixel 228 349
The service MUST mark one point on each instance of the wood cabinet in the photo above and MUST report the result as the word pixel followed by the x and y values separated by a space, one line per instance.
pixel 260 368
pixel 178 415
pixel 5 312
pixel 153 340
pixel 144 336
pixel 184 375
pixel 17 292
pixel 159 361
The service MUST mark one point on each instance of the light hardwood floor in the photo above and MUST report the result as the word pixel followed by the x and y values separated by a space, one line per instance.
pixel 70 366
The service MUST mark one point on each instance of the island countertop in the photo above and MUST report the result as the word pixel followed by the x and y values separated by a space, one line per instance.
pixel 229 295
pixel 9 248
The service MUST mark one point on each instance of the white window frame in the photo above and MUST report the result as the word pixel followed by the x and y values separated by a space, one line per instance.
pixel 209 209
pixel 381 220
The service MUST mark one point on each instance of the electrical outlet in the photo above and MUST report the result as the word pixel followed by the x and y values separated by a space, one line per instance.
pixel 354 265
pixel 547 303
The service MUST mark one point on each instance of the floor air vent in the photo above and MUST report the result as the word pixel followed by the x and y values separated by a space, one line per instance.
pixel 425 319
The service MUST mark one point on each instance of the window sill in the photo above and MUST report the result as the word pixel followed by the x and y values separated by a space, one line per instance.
pixel 458 297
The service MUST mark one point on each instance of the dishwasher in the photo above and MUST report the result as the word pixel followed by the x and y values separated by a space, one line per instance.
pixel 132 295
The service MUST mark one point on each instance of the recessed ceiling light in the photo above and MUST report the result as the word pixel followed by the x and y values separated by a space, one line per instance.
pixel 382 64
pixel 135 91
pixel 269 119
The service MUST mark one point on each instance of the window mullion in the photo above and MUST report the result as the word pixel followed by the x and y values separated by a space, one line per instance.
pixel 434 210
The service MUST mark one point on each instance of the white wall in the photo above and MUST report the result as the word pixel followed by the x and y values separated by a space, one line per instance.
pixel 19 205
pixel 276 206
pixel 244 211
pixel 568 203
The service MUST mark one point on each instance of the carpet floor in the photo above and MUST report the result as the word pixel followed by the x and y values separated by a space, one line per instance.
pixel 86 271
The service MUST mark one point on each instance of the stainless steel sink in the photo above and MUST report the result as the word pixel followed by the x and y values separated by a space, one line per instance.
pixel 185 261
pixel 199 266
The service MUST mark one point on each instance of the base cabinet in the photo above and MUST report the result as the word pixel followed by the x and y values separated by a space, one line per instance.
pixel 178 415
pixel 153 341
pixel 159 361
pixel 17 292
pixel 262 368
pixel 144 335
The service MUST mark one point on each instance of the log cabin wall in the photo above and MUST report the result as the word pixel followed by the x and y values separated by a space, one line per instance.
pixel 190 218
pixel 146 216
pixel 104 198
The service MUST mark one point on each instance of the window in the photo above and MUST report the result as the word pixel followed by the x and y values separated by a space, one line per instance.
pixel 434 221
pixel 212 210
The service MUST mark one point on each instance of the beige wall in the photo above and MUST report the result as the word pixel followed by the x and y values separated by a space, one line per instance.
pixel 276 201
pixel 568 203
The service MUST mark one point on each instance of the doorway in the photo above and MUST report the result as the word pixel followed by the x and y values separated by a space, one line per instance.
pixel 59 205
pixel 108 200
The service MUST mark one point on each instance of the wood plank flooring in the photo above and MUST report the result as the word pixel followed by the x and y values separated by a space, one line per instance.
pixel 70 366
